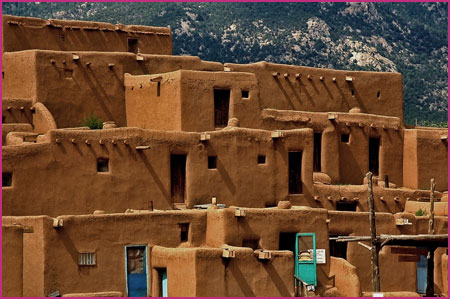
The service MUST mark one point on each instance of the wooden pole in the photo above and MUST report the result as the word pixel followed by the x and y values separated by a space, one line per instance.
pixel 373 238
pixel 431 221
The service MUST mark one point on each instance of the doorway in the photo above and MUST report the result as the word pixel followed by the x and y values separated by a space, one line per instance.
pixel 162 278
pixel 374 152
pixel 133 45
pixel 317 152
pixel 177 177
pixel 295 172
pixel 305 258
pixel 422 275
pixel 136 269
pixel 221 107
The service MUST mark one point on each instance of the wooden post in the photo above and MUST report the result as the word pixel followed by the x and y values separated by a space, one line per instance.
pixel 430 272
pixel 373 237
pixel 386 181
pixel 431 221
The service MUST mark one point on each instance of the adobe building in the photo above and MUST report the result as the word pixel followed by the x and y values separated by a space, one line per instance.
pixel 207 179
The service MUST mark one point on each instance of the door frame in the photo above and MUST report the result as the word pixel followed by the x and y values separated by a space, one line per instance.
pixel 146 266
pixel 314 261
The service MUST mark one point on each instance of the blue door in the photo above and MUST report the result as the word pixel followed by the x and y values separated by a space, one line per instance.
pixel 305 258
pixel 422 275
pixel 136 263
pixel 163 279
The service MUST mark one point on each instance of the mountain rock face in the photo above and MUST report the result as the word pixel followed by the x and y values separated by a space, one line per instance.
pixel 410 38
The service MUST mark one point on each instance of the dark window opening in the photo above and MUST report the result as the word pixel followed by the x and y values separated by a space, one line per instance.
pixel 102 165
pixel 317 152
pixel 178 177
pixel 212 162
pixel 345 138
pixel 245 94
pixel 295 170
pixel 261 159
pixel 353 92
pixel 221 107
pixel 3 75
pixel 133 45
pixel 374 151
pixel 158 89
pixel 68 74
pixel 338 249
pixel 287 241
pixel 6 179
pixel 184 232
pixel 378 95
pixel 3 119
pixel 61 37
pixel 346 206
pixel 252 243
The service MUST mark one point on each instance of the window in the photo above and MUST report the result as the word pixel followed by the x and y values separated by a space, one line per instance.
pixel 3 119
pixel 252 243
pixel 221 107
pixel 158 89
pixel 245 94
pixel 353 92
pixel 212 162
pixel 102 165
pixel 346 206
pixel 184 232
pixel 133 45
pixel 295 172
pixel 286 241
pixel 87 259
pixel 6 179
pixel 317 151
pixel 68 74
pixel 345 138
pixel 374 153
pixel 61 37
pixel 378 94
pixel 338 249
pixel 261 159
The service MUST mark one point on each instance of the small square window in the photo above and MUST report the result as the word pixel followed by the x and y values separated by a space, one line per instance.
pixel 345 138
pixel 184 232
pixel 102 165
pixel 6 179
pixel 245 94
pixel 87 259
pixel 68 74
pixel 261 159
pixel 212 162
pixel 61 37
pixel 133 45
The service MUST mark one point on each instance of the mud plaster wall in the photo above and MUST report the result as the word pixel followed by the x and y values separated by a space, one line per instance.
pixel 358 225
pixel 63 179
pixel 33 254
pixel 290 93
pixel 427 157
pixel 12 261
pixel 93 85
pixel 21 33
pixel 80 234
pixel 190 94
pixel 265 226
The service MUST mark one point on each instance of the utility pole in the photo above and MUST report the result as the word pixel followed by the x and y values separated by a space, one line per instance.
pixel 374 248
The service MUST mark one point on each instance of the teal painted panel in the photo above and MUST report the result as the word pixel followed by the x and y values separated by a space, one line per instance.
pixel 164 291
pixel 422 275
pixel 305 258
pixel 136 271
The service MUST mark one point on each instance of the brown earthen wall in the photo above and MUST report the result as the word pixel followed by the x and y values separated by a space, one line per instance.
pixel 290 93
pixel 73 90
pixel 12 261
pixel 22 33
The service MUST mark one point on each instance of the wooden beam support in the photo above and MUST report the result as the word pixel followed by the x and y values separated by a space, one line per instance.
pixel 374 249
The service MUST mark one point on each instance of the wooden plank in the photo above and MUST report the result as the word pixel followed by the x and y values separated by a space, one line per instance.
pixel 403 250
pixel 408 258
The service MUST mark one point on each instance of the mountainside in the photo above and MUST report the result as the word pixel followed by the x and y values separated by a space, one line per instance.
pixel 410 38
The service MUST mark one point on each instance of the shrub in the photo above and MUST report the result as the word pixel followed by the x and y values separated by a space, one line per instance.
pixel 420 212
pixel 93 122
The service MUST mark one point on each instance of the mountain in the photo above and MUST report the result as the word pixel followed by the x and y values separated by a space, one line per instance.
pixel 410 38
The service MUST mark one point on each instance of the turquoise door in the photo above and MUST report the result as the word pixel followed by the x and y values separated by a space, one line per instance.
pixel 136 271
pixel 163 279
pixel 305 258
pixel 422 275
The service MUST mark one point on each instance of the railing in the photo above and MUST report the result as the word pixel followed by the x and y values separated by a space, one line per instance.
pixel 300 287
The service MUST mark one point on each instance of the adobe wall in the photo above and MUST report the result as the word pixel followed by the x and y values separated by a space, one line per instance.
pixel 12 260
pixel 62 177
pixel 347 162
pixel 427 156
pixel 93 84
pixel 61 247
pixel 373 92
pixel 186 100
pixel 358 225
pixel 23 33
